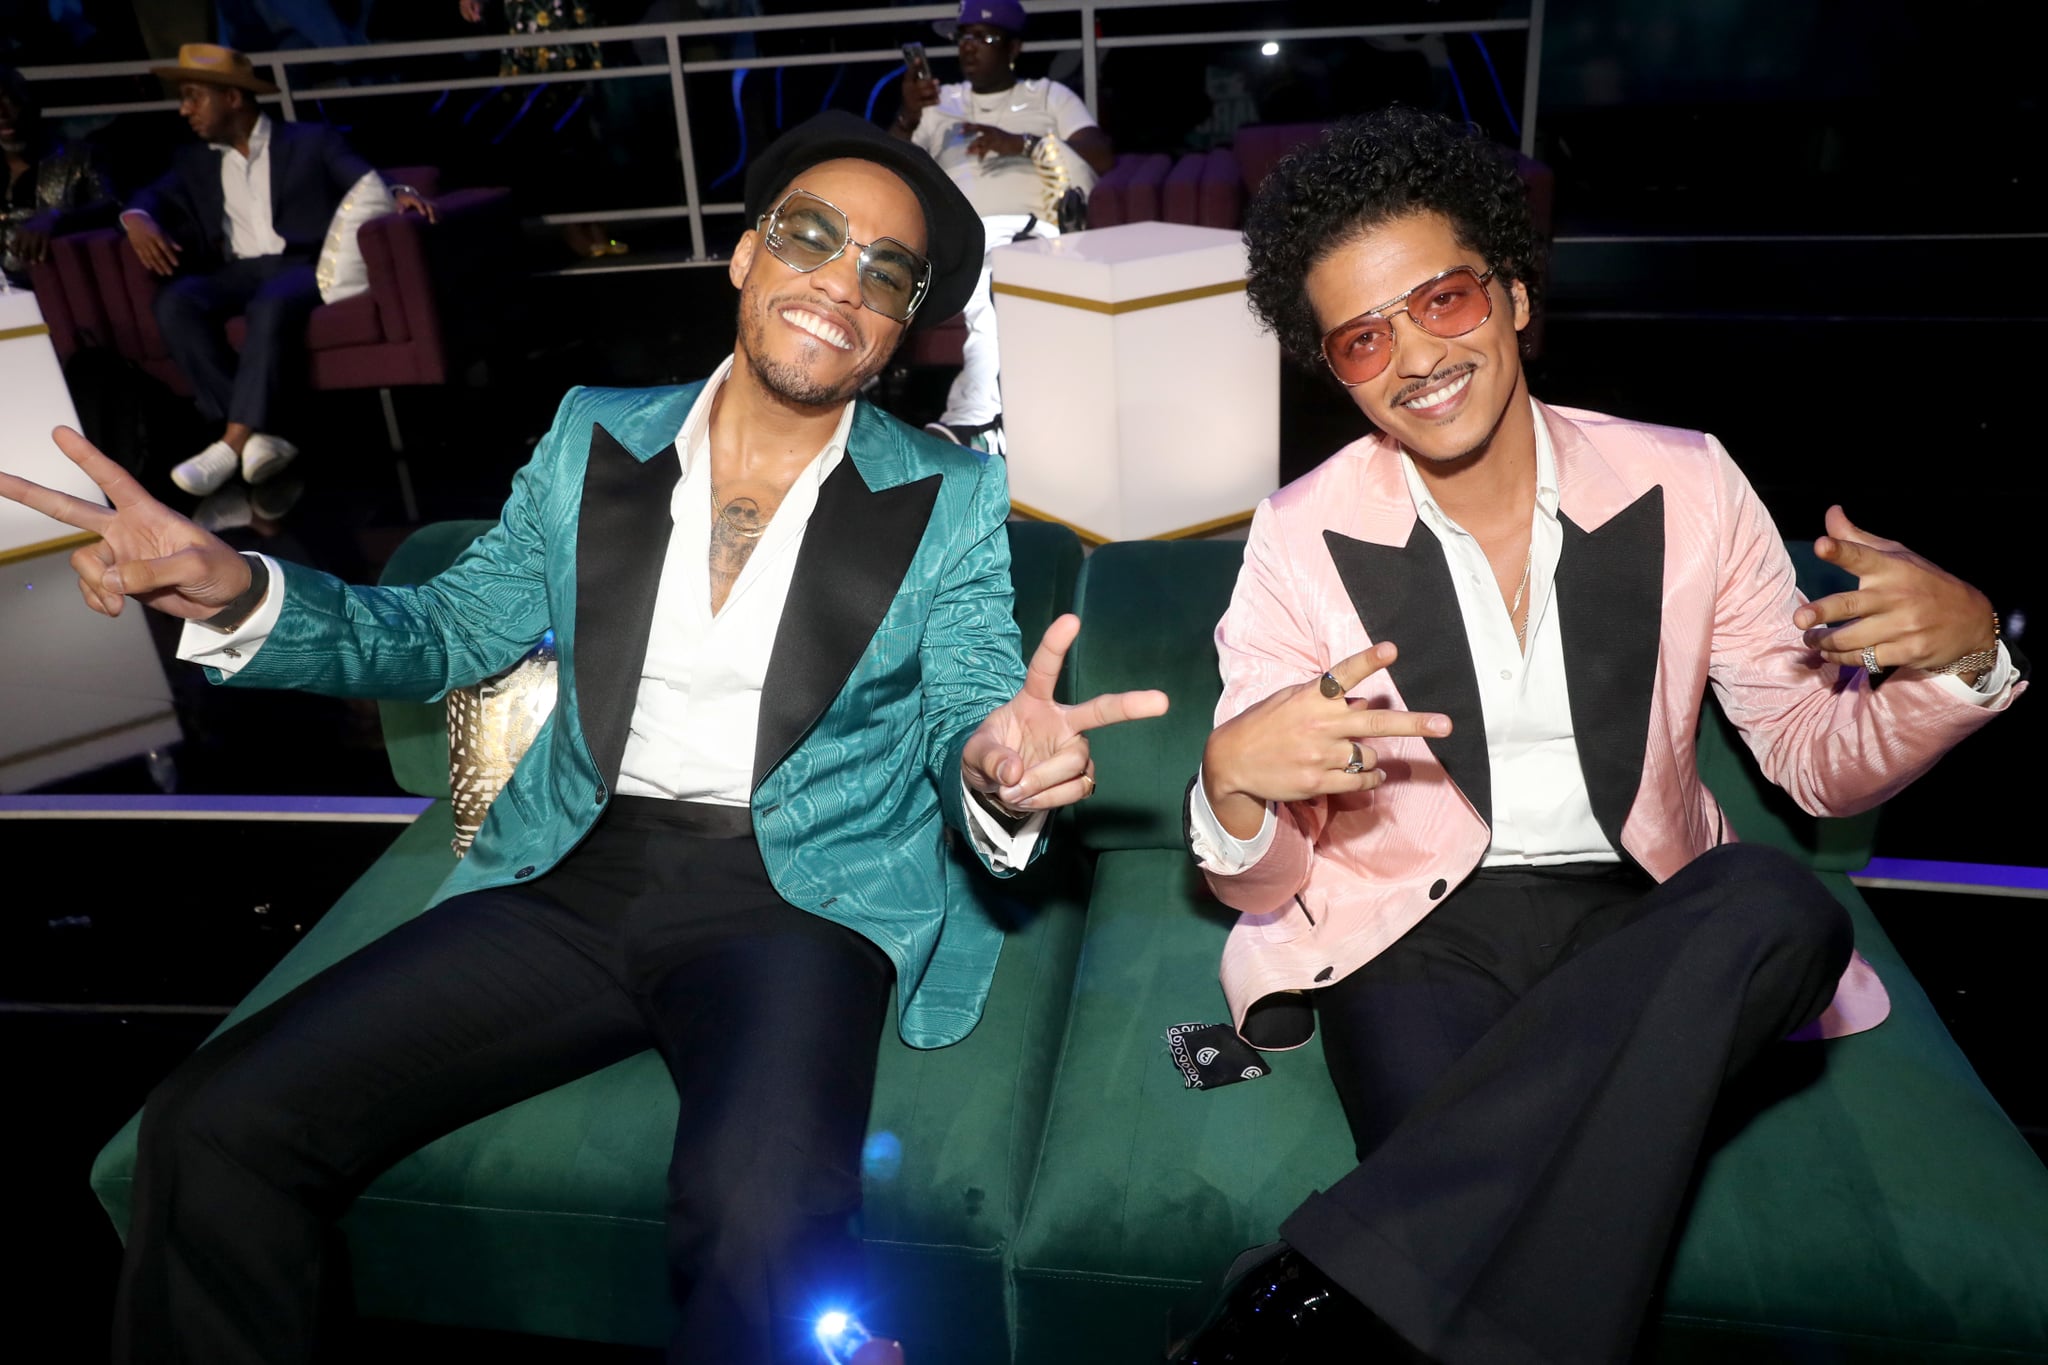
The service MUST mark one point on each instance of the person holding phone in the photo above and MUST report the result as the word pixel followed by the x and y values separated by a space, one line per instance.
pixel 1004 142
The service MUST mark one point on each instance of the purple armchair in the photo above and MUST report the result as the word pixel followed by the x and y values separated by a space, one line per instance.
pixel 93 288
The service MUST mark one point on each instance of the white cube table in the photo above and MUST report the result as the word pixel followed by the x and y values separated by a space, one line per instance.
pixel 1140 399
pixel 77 691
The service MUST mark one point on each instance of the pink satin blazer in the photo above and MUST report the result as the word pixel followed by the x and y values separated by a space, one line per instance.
pixel 1672 577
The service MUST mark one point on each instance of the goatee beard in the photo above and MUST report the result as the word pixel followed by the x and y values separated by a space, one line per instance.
pixel 792 383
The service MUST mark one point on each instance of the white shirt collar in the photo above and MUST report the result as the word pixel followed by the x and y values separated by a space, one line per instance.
pixel 696 427
pixel 1546 478
pixel 259 139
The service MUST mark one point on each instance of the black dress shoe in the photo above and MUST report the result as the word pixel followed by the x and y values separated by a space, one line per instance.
pixel 1277 1309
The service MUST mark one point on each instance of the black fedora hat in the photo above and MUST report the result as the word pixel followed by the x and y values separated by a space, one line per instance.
pixel 955 241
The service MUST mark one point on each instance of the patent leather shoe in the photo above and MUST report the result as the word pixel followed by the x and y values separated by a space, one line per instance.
pixel 1277 1309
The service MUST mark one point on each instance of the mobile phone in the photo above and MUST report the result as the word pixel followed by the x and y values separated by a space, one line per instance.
pixel 913 57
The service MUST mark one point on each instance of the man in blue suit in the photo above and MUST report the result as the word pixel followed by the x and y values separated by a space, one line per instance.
pixel 788 676
pixel 239 221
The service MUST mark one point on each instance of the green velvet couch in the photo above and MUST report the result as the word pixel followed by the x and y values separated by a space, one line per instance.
pixel 1043 1192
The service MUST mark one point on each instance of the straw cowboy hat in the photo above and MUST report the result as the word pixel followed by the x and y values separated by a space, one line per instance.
pixel 211 65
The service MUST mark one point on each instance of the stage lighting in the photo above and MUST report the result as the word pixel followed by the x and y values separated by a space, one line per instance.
pixel 841 1334
pixel 1270 50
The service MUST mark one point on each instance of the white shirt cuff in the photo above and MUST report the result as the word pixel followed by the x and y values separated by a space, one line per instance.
pixel 1989 687
pixel 231 653
pixel 1006 851
pixel 1216 848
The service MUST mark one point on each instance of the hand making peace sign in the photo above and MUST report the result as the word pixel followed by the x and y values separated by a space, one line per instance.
pixel 145 550
pixel 1032 752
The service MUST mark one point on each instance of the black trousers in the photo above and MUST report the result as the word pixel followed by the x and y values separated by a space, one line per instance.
pixel 277 294
pixel 1529 1075
pixel 650 934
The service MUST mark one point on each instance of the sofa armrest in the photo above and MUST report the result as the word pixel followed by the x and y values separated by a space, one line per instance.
pixel 413 266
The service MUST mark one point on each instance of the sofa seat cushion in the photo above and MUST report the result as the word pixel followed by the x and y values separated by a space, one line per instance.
pixel 1884 1210
pixel 1146 1187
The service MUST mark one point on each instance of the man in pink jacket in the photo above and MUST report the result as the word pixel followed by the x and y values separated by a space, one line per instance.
pixel 1452 787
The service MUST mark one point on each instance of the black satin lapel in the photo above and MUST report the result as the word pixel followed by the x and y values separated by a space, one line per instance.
pixel 1405 594
pixel 622 535
pixel 857 548
pixel 1610 603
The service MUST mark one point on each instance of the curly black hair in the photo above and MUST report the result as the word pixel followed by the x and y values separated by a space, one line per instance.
pixel 1367 171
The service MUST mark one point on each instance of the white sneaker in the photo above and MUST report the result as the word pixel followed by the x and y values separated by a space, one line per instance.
pixel 263 457
pixel 207 470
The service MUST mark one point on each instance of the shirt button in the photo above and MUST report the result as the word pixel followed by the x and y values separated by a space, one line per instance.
pixel 598 795
pixel 523 873
pixel 1507 674
pixel 1437 889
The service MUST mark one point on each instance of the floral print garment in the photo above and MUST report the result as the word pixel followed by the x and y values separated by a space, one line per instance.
pixel 548 16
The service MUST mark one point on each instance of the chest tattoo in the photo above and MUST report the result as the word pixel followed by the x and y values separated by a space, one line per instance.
pixel 737 525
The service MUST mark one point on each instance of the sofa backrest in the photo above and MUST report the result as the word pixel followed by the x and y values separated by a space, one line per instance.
pixel 1148 619
pixel 1045 565
pixel 1149 611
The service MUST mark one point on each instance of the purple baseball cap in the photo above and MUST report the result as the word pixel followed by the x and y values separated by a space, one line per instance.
pixel 1003 14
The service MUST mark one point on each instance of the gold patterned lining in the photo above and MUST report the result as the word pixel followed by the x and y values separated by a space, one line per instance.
pixel 490 727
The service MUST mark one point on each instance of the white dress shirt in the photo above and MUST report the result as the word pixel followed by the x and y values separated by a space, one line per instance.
pixel 245 192
pixel 1542 813
pixel 698 702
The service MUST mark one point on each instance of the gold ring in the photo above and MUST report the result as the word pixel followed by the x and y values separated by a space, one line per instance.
pixel 1085 777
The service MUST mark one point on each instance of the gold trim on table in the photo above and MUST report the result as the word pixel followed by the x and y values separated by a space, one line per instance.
pixel 1205 291
pixel 16 333
pixel 47 547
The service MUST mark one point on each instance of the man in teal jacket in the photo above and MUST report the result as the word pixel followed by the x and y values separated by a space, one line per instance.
pixel 787 670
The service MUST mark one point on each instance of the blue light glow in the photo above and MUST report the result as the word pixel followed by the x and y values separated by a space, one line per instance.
pixel 882 1157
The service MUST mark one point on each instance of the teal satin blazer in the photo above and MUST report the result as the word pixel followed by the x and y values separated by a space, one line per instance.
pixel 896 642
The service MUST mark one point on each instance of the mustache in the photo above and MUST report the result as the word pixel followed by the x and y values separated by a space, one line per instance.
pixel 1435 381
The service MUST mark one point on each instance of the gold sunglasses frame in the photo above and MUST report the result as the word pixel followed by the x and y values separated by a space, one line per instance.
pixel 1389 312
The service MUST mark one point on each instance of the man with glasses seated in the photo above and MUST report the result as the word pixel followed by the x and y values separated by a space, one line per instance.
pixel 1013 147
pixel 788 669
pixel 1452 787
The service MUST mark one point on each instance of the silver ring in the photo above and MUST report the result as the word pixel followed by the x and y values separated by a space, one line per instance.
pixel 1331 687
pixel 1870 664
pixel 1357 763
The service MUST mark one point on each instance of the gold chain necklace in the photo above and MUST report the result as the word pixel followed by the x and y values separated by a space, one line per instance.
pixel 1522 630
pixel 749 530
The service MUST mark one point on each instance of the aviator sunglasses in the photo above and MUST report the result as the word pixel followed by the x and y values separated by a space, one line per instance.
pixel 1446 305
pixel 805 232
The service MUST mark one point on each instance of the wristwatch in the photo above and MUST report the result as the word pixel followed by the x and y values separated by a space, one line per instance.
pixel 231 617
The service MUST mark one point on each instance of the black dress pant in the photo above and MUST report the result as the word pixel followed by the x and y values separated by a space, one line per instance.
pixel 276 294
pixel 653 933
pixel 1529 1074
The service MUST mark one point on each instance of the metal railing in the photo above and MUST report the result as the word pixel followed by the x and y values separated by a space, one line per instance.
pixel 1084 15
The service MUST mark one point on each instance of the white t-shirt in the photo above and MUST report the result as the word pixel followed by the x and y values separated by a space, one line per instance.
pixel 1002 184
